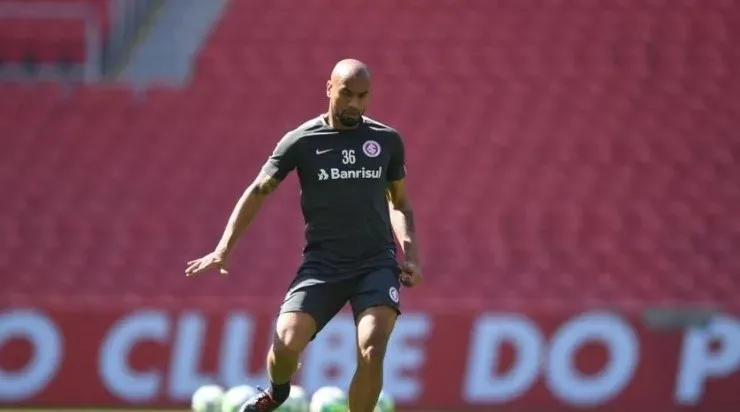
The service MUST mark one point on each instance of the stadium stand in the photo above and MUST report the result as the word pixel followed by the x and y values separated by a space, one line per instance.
pixel 73 37
pixel 559 151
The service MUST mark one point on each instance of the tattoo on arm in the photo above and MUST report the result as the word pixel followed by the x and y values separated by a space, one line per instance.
pixel 264 185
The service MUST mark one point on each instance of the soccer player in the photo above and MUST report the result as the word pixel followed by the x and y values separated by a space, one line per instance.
pixel 353 198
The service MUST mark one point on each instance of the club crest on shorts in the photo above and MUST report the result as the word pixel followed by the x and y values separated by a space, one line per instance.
pixel 371 148
pixel 393 292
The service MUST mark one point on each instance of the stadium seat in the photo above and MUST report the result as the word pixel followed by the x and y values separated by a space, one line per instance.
pixel 41 39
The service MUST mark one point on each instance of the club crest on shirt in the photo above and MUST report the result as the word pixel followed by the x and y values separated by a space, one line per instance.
pixel 371 148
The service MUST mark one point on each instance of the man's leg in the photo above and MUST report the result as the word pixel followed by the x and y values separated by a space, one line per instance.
pixel 376 310
pixel 292 333
pixel 306 310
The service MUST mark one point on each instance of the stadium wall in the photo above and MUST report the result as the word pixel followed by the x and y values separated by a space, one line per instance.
pixel 155 356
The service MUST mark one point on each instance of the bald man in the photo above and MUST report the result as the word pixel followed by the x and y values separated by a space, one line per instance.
pixel 353 197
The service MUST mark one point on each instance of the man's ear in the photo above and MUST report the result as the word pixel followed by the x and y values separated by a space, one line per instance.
pixel 328 88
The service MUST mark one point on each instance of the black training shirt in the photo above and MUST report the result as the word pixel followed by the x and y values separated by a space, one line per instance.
pixel 343 176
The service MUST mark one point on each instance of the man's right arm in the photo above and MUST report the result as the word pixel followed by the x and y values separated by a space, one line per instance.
pixel 244 212
pixel 282 160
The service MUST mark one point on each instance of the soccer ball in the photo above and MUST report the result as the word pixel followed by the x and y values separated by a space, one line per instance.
pixel 207 398
pixel 296 402
pixel 329 399
pixel 236 397
pixel 385 403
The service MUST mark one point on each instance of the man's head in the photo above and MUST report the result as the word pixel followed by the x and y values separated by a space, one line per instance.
pixel 348 90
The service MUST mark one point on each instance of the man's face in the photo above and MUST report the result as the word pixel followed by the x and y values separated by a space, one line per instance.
pixel 348 99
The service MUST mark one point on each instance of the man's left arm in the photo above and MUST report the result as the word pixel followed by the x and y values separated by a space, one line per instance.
pixel 402 215
pixel 402 220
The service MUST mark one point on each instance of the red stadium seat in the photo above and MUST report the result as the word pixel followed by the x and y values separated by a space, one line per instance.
pixel 563 151
pixel 48 40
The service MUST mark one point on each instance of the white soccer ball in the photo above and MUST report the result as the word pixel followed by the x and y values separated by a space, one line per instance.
pixel 385 403
pixel 236 397
pixel 207 398
pixel 297 401
pixel 329 399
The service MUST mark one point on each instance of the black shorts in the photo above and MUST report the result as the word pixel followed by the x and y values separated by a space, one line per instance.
pixel 324 299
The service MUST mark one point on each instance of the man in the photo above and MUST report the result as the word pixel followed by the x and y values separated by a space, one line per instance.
pixel 351 169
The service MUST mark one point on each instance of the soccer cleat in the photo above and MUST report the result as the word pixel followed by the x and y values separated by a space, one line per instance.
pixel 262 402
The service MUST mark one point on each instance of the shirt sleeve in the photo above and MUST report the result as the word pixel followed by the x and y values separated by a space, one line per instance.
pixel 397 163
pixel 283 158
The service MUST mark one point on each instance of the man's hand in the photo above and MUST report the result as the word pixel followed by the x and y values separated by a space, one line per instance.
pixel 245 210
pixel 410 274
pixel 210 261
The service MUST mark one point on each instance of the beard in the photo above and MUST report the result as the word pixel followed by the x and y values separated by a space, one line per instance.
pixel 348 120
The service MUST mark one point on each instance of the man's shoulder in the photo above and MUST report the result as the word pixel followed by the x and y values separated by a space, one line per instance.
pixel 308 127
pixel 381 128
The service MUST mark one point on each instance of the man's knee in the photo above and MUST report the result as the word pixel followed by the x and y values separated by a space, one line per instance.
pixel 372 353
pixel 293 332
pixel 374 328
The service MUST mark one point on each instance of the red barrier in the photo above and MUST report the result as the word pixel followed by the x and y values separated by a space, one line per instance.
pixel 156 357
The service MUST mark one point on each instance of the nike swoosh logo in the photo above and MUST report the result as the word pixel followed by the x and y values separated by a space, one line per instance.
pixel 319 152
